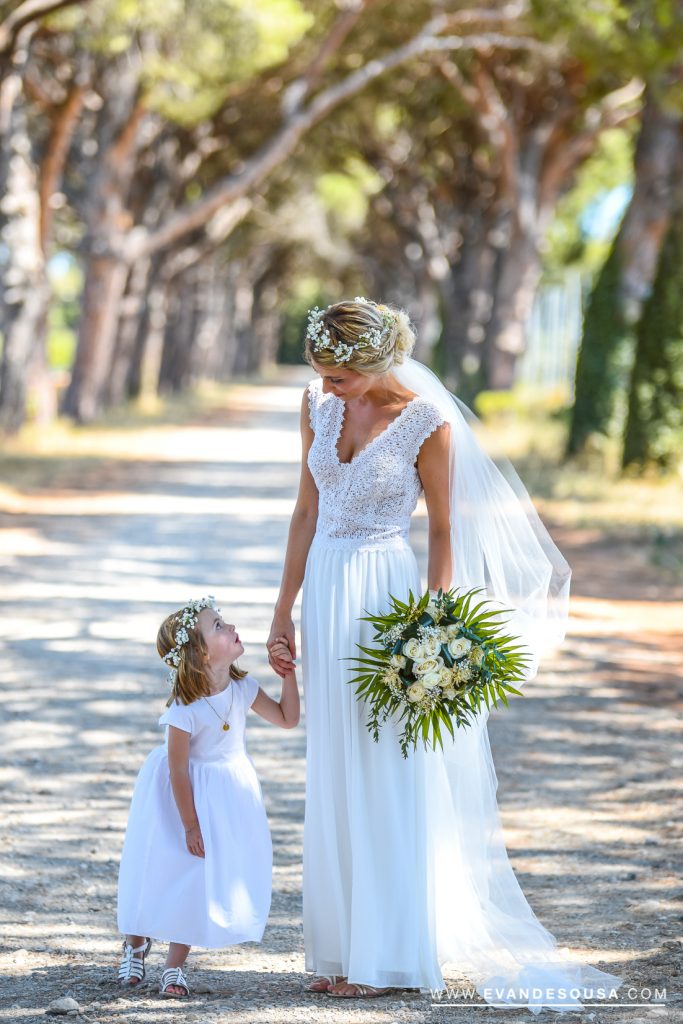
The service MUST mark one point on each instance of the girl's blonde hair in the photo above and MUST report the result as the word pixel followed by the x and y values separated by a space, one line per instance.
pixel 346 321
pixel 191 677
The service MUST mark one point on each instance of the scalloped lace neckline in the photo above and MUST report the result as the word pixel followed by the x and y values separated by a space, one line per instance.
pixel 382 433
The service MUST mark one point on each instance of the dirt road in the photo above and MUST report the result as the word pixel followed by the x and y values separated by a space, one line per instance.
pixel 94 551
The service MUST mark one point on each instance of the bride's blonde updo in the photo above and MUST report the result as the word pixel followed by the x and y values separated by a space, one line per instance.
pixel 359 335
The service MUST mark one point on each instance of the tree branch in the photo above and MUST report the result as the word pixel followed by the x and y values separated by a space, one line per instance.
pixel 297 91
pixel 274 152
pixel 30 10
pixel 614 109
pixel 56 149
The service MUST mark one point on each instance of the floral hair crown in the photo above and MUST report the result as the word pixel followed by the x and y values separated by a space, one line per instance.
pixel 320 337
pixel 186 619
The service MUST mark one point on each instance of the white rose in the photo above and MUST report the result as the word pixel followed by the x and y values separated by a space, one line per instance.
pixel 413 649
pixel 397 661
pixel 456 648
pixel 415 692
pixel 390 677
pixel 425 665
pixel 434 610
pixel 448 692
pixel 446 676
pixel 431 680
pixel 432 646
pixel 476 656
pixel 452 631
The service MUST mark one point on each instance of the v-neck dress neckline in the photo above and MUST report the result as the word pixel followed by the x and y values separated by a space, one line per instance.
pixel 341 418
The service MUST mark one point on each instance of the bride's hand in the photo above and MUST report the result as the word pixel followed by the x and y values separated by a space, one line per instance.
pixel 282 627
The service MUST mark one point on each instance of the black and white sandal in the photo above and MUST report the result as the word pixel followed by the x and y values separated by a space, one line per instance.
pixel 173 976
pixel 132 967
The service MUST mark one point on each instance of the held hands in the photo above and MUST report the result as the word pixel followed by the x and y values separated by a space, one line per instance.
pixel 194 841
pixel 282 659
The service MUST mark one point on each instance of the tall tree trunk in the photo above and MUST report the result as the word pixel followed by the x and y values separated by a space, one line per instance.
pixel 600 364
pixel 180 341
pixel 145 366
pixel 212 325
pixel 131 313
pixel 108 218
pixel 654 427
pixel 517 277
pixel 605 355
pixel 25 294
pixel 467 300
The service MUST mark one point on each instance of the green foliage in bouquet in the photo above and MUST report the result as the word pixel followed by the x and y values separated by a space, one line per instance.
pixel 440 658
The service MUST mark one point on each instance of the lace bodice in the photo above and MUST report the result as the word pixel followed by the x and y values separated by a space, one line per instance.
pixel 368 501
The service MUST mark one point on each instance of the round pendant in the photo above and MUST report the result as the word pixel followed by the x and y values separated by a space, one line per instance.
pixel 226 726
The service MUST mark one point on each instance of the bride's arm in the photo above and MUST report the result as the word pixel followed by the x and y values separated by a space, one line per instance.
pixel 433 465
pixel 301 530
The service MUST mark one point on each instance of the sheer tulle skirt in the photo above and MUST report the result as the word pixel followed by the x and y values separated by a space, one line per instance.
pixel 405 867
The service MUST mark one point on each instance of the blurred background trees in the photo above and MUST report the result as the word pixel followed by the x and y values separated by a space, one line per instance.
pixel 180 182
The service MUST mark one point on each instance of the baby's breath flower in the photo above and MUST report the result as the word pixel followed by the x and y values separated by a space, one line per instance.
pixel 320 337
pixel 427 632
pixel 186 619
pixel 390 637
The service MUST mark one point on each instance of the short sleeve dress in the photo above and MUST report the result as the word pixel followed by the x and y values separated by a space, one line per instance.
pixel 405 868
pixel 164 891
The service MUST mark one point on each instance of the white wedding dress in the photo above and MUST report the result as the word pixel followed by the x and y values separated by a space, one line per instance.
pixel 405 867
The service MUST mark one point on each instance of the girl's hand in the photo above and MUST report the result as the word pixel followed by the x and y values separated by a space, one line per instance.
pixel 195 843
pixel 281 654
pixel 282 629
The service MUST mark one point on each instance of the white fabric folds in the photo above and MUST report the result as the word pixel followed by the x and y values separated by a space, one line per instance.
pixel 497 538
pixel 485 926
pixel 405 866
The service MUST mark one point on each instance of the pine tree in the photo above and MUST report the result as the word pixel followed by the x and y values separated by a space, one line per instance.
pixel 654 427
pixel 602 360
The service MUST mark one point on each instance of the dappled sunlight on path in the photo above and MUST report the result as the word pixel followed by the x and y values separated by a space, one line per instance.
pixel 96 549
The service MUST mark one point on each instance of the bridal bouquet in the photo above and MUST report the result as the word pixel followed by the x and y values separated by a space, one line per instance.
pixel 439 658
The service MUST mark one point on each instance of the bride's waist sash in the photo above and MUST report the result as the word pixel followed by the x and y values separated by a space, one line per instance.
pixel 390 542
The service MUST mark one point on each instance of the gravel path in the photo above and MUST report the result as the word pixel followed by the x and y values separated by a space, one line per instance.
pixel 93 553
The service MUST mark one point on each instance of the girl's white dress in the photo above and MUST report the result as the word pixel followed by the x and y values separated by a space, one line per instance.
pixel 164 891
pixel 405 866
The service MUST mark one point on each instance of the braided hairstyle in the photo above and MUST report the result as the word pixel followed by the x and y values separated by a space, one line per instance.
pixel 346 321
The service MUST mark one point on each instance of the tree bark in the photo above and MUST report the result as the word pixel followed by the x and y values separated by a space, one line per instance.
pixel 108 219
pixel 180 342
pixel 538 141
pixel 518 274
pixel 604 358
pixel 25 294
pixel 27 13
pixel 130 317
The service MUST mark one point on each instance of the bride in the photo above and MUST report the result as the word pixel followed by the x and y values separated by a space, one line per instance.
pixel 405 867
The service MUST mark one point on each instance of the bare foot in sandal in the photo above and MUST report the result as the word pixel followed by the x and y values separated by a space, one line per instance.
pixel 351 990
pixel 324 983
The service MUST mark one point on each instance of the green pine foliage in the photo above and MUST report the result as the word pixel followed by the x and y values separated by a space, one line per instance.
pixel 654 428
pixel 603 361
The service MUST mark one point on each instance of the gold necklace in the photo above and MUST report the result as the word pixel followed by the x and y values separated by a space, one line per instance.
pixel 226 724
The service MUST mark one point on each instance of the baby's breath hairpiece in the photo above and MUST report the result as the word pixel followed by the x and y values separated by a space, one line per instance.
pixel 320 337
pixel 186 619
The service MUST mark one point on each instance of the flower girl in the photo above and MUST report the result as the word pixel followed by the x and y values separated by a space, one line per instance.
pixel 196 862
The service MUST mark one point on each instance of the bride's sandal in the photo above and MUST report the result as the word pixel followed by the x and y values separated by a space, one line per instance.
pixel 173 977
pixel 360 991
pixel 324 982
pixel 132 967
